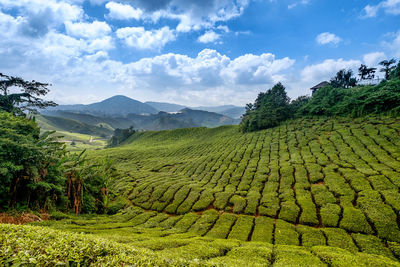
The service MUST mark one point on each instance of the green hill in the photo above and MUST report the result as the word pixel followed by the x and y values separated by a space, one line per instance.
pixel 320 191
pixel 72 126
pixel 311 192
pixel 112 122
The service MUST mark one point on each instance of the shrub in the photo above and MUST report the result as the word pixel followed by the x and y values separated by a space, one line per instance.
pixel 263 229
pixel 285 233
pixel 242 228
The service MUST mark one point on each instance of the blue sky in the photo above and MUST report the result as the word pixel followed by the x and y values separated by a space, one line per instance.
pixel 191 52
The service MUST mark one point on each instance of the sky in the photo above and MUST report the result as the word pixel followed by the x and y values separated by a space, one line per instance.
pixel 191 52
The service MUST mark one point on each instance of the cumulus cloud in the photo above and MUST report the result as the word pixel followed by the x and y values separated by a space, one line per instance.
pixel 122 11
pixel 87 30
pixel 373 59
pixel 40 16
pixel 388 6
pixel 208 37
pixel 327 69
pixel 190 14
pixel 140 38
pixel 328 38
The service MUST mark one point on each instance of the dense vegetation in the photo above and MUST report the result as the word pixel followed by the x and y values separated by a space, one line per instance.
pixel 36 171
pixel 340 98
pixel 310 191
pixel 356 101
pixel 313 191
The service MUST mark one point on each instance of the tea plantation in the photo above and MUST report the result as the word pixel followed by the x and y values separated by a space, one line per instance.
pixel 310 192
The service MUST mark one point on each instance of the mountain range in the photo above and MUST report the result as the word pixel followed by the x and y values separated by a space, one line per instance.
pixel 121 106
pixel 122 112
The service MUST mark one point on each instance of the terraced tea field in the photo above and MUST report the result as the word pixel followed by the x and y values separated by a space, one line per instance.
pixel 309 192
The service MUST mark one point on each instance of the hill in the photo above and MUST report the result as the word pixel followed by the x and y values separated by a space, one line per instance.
pixel 50 123
pixel 310 192
pixel 227 110
pixel 166 107
pixel 117 106
pixel 235 112
pixel 106 121
pixel 328 187
pixel 186 118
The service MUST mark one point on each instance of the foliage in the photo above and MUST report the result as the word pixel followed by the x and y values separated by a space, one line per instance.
pixel 28 99
pixel 395 74
pixel 344 78
pixel 357 101
pixel 120 136
pixel 30 165
pixel 36 171
pixel 268 110
pixel 366 73
pixel 387 67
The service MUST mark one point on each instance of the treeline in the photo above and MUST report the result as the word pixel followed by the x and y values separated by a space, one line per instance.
pixel 36 170
pixel 341 97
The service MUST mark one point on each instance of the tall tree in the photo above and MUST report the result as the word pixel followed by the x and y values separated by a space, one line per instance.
pixel 366 73
pixel 344 78
pixel 387 67
pixel 269 109
pixel 27 97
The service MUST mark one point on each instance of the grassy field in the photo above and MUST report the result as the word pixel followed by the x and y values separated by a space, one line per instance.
pixel 310 192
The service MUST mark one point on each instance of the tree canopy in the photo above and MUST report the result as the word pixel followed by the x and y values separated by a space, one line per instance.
pixel 26 99
pixel 344 78
pixel 268 110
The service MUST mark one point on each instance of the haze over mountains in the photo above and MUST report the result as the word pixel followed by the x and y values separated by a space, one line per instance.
pixel 121 106
pixel 123 112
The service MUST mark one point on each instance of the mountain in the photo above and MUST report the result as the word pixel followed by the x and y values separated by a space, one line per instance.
pixel 185 118
pixel 227 110
pixel 217 109
pixel 235 112
pixel 166 107
pixel 116 106
pixel 205 118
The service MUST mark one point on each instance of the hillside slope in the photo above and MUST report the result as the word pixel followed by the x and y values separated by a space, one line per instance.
pixel 305 183
pixel 50 123
pixel 117 106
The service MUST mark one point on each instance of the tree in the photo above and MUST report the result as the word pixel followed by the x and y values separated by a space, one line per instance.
pixel 387 67
pixel 365 72
pixel 395 73
pixel 269 109
pixel 26 99
pixel 30 173
pixel 344 78
pixel 120 135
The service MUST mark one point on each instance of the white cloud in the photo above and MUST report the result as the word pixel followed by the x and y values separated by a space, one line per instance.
pixel 388 6
pixel 223 28
pixel 326 70
pixel 87 30
pixel 208 37
pixel 302 2
pixel 39 15
pixel 328 38
pixel 373 59
pixel 140 38
pixel 190 14
pixel 123 12
pixel 394 46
